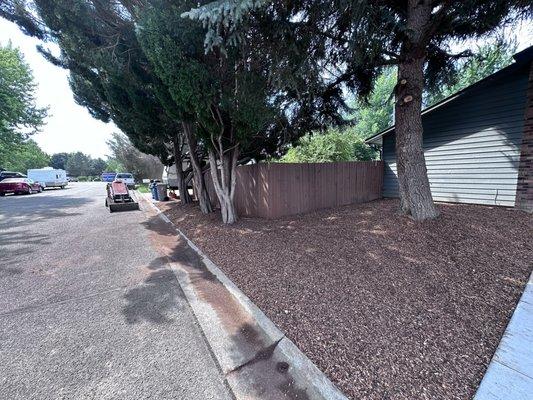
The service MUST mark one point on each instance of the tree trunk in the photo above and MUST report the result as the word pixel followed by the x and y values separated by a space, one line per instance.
pixel 414 190
pixel 185 198
pixel 225 182
pixel 198 177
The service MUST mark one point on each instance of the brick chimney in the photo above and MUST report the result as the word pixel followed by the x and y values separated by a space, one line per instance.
pixel 524 188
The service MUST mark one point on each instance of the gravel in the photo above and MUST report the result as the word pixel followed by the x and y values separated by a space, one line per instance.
pixel 388 308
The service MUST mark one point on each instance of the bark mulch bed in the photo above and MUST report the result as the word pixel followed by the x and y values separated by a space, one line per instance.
pixel 386 307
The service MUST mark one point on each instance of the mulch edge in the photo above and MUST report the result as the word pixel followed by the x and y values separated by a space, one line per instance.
pixel 303 369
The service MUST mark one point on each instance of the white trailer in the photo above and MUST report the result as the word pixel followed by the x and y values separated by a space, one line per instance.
pixel 170 176
pixel 49 177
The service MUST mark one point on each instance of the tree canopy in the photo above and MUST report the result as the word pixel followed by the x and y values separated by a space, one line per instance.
pixel 127 158
pixel 333 146
pixel 20 116
pixel 225 96
pixel 25 155
pixel 59 160
pixel 231 80
pixel 352 42
pixel 19 113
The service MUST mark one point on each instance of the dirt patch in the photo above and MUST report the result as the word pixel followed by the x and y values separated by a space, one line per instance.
pixel 386 307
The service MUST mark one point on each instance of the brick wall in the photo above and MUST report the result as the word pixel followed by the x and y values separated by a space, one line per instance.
pixel 524 189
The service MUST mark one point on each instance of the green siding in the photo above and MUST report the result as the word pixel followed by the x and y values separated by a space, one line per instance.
pixel 471 145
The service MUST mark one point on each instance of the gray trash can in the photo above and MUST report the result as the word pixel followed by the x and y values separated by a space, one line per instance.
pixel 162 192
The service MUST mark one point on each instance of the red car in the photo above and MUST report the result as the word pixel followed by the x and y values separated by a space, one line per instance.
pixel 19 186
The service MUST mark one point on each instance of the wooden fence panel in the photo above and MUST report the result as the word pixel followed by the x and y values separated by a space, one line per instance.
pixel 279 189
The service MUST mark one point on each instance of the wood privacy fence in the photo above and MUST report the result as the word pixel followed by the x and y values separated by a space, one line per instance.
pixel 277 189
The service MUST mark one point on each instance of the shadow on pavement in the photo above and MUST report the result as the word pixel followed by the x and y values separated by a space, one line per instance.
pixel 262 372
pixel 155 300
pixel 17 215
pixel 27 210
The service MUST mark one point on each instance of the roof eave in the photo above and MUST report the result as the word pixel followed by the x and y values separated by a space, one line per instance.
pixel 521 58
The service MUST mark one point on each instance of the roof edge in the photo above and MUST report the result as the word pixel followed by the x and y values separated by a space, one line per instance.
pixel 523 57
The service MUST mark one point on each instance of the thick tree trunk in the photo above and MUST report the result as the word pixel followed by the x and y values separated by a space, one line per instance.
pixel 198 177
pixel 225 182
pixel 414 190
pixel 185 198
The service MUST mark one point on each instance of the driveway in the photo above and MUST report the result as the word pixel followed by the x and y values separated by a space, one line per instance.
pixel 89 310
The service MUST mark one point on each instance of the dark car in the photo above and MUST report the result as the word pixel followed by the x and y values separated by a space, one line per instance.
pixel 19 186
pixel 10 174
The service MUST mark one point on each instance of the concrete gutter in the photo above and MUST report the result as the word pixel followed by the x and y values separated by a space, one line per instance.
pixel 510 372
pixel 258 361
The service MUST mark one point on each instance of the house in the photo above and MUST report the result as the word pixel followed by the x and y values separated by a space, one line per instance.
pixel 478 143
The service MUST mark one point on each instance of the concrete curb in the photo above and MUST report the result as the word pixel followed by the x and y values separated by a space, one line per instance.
pixel 304 373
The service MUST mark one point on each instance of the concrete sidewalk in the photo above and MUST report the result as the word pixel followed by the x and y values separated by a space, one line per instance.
pixel 510 373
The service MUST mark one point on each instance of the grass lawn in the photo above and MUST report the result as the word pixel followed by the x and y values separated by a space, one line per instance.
pixel 386 307
pixel 143 188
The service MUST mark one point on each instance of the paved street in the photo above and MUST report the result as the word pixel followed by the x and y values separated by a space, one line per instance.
pixel 89 310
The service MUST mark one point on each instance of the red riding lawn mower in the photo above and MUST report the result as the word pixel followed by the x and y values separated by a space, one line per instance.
pixel 118 197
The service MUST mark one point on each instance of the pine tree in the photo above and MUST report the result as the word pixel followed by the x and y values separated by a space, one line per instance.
pixel 109 73
pixel 352 42
pixel 222 96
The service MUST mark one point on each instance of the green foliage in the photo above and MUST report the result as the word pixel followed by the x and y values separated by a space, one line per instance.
pixel 19 115
pixel 18 110
pixel 224 14
pixel 113 165
pixel 143 188
pixel 126 158
pixel 109 73
pixel 78 164
pixel 97 166
pixel 224 93
pixel 25 155
pixel 373 115
pixel 352 42
pixel 333 146
pixel 59 160
pixel 488 59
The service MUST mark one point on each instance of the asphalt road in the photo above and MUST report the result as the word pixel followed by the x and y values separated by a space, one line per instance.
pixel 89 310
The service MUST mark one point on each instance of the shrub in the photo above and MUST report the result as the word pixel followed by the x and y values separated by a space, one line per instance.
pixel 333 146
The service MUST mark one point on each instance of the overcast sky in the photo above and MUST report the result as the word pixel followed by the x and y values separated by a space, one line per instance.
pixel 70 127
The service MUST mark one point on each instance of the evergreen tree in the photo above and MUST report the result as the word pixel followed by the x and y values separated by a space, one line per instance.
pixel 353 41
pixel 97 167
pixel 488 59
pixel 222 97
pixel 78 164
pixel 130 159
pixel 59 160
pixel 108 71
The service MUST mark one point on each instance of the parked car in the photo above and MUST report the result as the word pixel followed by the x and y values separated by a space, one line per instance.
pixel 127 178
pixel 72 179
pixel 19 186
pixel 49 177
pixel 10 174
